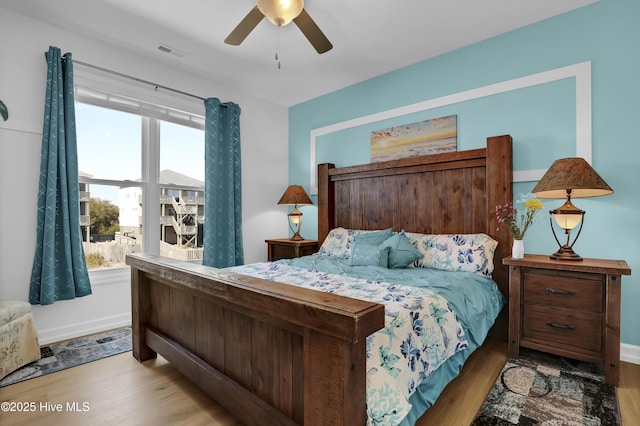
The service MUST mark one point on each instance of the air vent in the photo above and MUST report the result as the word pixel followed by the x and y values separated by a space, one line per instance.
pixel 170 50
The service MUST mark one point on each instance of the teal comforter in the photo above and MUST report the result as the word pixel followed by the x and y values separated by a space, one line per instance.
pixel 472 299
pixel 476 300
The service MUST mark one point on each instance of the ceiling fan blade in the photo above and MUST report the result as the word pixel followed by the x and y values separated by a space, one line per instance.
pixel 245 26
pixel 312 32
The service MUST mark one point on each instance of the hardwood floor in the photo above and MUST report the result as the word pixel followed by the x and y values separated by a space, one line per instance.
pixel 120 391
pixel 629 393
pixel 462 398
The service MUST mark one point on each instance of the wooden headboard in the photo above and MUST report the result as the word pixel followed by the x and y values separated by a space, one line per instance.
pixel 435 194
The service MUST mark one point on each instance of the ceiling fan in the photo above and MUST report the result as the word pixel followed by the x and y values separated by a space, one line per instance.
pixel 280 13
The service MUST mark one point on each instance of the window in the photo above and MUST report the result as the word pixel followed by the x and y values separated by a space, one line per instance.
pixel 182 189
pixel 141 179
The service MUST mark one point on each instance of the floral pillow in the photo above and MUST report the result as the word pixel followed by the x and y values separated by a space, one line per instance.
pixel 455 252
pixel 338 242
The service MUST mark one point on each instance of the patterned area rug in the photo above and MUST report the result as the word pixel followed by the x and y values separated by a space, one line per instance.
pixel 71 353
pixel 544 389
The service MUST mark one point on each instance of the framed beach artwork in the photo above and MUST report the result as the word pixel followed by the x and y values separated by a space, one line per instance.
pixel 411 140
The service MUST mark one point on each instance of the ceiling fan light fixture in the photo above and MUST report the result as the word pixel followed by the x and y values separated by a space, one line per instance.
pixel 280 12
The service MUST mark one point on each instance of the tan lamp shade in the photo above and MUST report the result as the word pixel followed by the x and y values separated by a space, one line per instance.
pixel 573 175
pixel 295 195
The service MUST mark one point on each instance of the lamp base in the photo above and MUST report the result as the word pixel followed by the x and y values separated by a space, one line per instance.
pixel 565 253
pixel 296 237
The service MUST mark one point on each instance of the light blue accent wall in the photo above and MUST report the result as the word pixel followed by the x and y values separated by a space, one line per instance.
pixel 541 119
pixel 529 111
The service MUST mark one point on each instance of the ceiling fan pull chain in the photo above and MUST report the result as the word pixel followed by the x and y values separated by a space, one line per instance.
pixel 278 45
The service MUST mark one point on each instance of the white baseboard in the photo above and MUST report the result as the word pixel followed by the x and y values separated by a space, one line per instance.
pixel 630 353
pixel 58 334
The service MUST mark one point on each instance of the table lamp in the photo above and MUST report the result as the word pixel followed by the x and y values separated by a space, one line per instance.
pixel 295 196
pixel 569 178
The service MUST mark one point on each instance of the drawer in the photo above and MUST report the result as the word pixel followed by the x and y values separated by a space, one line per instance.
pixel 283 252
pixel 307 250
pixel 581 294
pixel 562 327
pixel 284 248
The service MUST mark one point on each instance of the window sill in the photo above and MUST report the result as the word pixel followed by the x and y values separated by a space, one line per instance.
pixel 110 276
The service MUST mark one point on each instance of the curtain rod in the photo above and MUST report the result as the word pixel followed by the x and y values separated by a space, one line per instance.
pixel 119 74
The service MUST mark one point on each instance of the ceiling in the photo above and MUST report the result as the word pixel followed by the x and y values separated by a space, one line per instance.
pixel 370 37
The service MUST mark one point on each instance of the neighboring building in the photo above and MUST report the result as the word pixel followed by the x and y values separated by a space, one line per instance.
pixel 181 210
pixel 130 203
pixel 85 214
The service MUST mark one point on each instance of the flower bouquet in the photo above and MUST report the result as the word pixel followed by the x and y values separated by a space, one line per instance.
pixel 519 222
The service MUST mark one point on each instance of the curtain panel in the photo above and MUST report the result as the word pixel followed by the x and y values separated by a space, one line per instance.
pixel 223 185
pixel 59 267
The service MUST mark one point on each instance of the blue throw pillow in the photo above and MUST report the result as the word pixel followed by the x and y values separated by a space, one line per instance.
pixel 367 251
pixel 367 255
pixel 373 238
pixel 401 251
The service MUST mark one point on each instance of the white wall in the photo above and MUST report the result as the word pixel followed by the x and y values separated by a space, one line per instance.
pixel 22 84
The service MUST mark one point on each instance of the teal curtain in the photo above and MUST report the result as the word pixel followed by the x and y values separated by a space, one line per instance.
pixel 222 184
pixel 59 268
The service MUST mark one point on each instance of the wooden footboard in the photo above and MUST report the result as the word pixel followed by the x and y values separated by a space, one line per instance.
pixel 264 350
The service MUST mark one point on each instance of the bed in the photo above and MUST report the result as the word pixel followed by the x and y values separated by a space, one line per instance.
pixel 267 349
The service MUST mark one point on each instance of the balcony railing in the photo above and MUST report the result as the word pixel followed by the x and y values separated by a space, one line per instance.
pixel 187 230
pixel 168 199
pixel 184 229
pixel 84 196
pixel 181 207
pixel 193 200
pixel 186 209
pixel 85 220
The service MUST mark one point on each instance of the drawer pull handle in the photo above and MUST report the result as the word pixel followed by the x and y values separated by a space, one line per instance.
pixel 564 292
pixel 564 327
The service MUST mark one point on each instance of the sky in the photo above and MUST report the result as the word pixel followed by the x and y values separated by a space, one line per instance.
pixel 109 147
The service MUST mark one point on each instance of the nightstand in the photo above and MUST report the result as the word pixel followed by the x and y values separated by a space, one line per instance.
pixel 568 308
pixel 284 248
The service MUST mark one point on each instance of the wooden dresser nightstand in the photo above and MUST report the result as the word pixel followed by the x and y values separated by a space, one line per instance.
pixel 284 248
pixel 568 308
